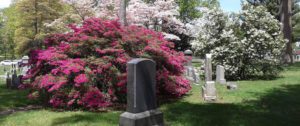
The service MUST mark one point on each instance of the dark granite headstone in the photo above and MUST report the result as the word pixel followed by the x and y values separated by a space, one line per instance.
pixel 8 80
pixel 13 79
pixel 15 82
pixel 141 95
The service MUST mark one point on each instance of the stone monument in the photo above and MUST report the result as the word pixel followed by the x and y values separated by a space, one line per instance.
pixel 25 67
pixel 190 73
pixel 141 95
pixel 25 59
pixel 208 68
pixel 209 92
pixel 188 53
pixel 8 80
pixel 220 75
pixel 15 80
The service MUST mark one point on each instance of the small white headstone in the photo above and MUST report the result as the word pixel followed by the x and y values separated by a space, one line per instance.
pixel 191 74
pixel 232 85
pixel 220 75
pixel 209 91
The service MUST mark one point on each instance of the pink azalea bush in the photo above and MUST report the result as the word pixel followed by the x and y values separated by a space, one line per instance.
pixel 87 67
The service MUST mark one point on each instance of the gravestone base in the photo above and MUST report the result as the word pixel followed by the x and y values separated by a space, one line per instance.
pixel 147 118
pixel 209 92
pixel 207 97
pixel 223 81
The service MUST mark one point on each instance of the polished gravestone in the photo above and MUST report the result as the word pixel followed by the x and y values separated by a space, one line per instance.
pixel 141 95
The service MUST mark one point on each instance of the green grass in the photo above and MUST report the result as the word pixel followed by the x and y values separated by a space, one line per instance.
pixel 197 64
pixel 50 118
pixel 12 98
pixel 4 69
pixel 254 103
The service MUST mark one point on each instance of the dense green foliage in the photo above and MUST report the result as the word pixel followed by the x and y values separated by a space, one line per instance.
pixel 32 16
pixel 273 6
pixel 190 9
pixel 7 30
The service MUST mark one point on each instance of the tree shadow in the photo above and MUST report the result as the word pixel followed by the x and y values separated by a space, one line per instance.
pixel 13 98
pixel 293 67
pixel 88 118
pixel 277 107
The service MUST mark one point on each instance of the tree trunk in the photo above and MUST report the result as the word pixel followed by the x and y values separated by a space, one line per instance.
pixel 122 13
pixel 286 9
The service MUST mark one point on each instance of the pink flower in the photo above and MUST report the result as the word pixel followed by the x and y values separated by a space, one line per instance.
pixel 56 102
pixel 97 52
pixel 70 103
pixel 94 99
pixel 81 78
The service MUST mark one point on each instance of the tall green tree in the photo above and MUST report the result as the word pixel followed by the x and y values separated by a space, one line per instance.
pixel 189 9
pixel 7 30
pixel 1 34
pixel 296 23
pixel 33 14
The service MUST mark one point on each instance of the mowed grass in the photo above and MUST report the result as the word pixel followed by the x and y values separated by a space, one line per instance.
pixel 254 103
pixel 12 98
pixel 4 69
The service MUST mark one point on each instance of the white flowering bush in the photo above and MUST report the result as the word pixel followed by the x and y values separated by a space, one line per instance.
pixel 208 31
pixel 248 44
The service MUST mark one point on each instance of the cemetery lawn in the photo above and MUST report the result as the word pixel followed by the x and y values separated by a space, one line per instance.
pixel 12 98
pixel 4 69
pixel 254 103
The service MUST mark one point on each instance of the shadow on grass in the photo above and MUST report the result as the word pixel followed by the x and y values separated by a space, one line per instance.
pixel 293 67
pixel 88 118
pixel 279 107
pixel 12 98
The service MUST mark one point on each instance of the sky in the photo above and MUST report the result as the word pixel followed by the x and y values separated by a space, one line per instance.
pixel 230 5
pixel 4 3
